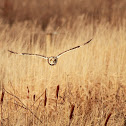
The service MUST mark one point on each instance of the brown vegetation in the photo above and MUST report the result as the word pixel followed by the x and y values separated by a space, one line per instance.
pixel 87 86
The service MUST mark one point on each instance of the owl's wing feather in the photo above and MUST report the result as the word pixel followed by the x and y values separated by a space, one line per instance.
pixel 73 48
pixel 29 54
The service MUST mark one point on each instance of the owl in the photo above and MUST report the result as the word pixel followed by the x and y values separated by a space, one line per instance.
pixel 53 59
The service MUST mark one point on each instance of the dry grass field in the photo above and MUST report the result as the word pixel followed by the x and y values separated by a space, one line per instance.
pixel 87 87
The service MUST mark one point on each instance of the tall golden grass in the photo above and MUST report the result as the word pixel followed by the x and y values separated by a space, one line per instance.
pixel 86 87
pixel 62 11
pixel 92 78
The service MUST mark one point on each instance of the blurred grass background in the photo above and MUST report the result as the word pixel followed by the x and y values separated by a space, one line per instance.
pixel 43 11
pixel 92 78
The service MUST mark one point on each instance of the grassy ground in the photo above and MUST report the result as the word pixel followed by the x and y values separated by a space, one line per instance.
pixel 91 78
pixel 87 86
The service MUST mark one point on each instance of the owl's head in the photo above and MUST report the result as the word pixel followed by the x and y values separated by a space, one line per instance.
pixel 52 60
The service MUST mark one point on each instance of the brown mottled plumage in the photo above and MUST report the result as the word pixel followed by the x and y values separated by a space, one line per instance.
pixel 53 59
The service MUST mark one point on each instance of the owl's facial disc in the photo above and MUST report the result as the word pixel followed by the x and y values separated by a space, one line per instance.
pixel 52 60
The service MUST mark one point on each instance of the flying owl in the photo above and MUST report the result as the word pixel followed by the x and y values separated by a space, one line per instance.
pixel 53 59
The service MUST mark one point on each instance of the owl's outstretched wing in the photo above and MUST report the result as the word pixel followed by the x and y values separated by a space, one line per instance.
pixel 72 49
pixel 29 54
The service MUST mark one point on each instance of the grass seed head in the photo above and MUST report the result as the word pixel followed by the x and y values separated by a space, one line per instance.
pixel 2 97
pixel 72 110
pixel 57 91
